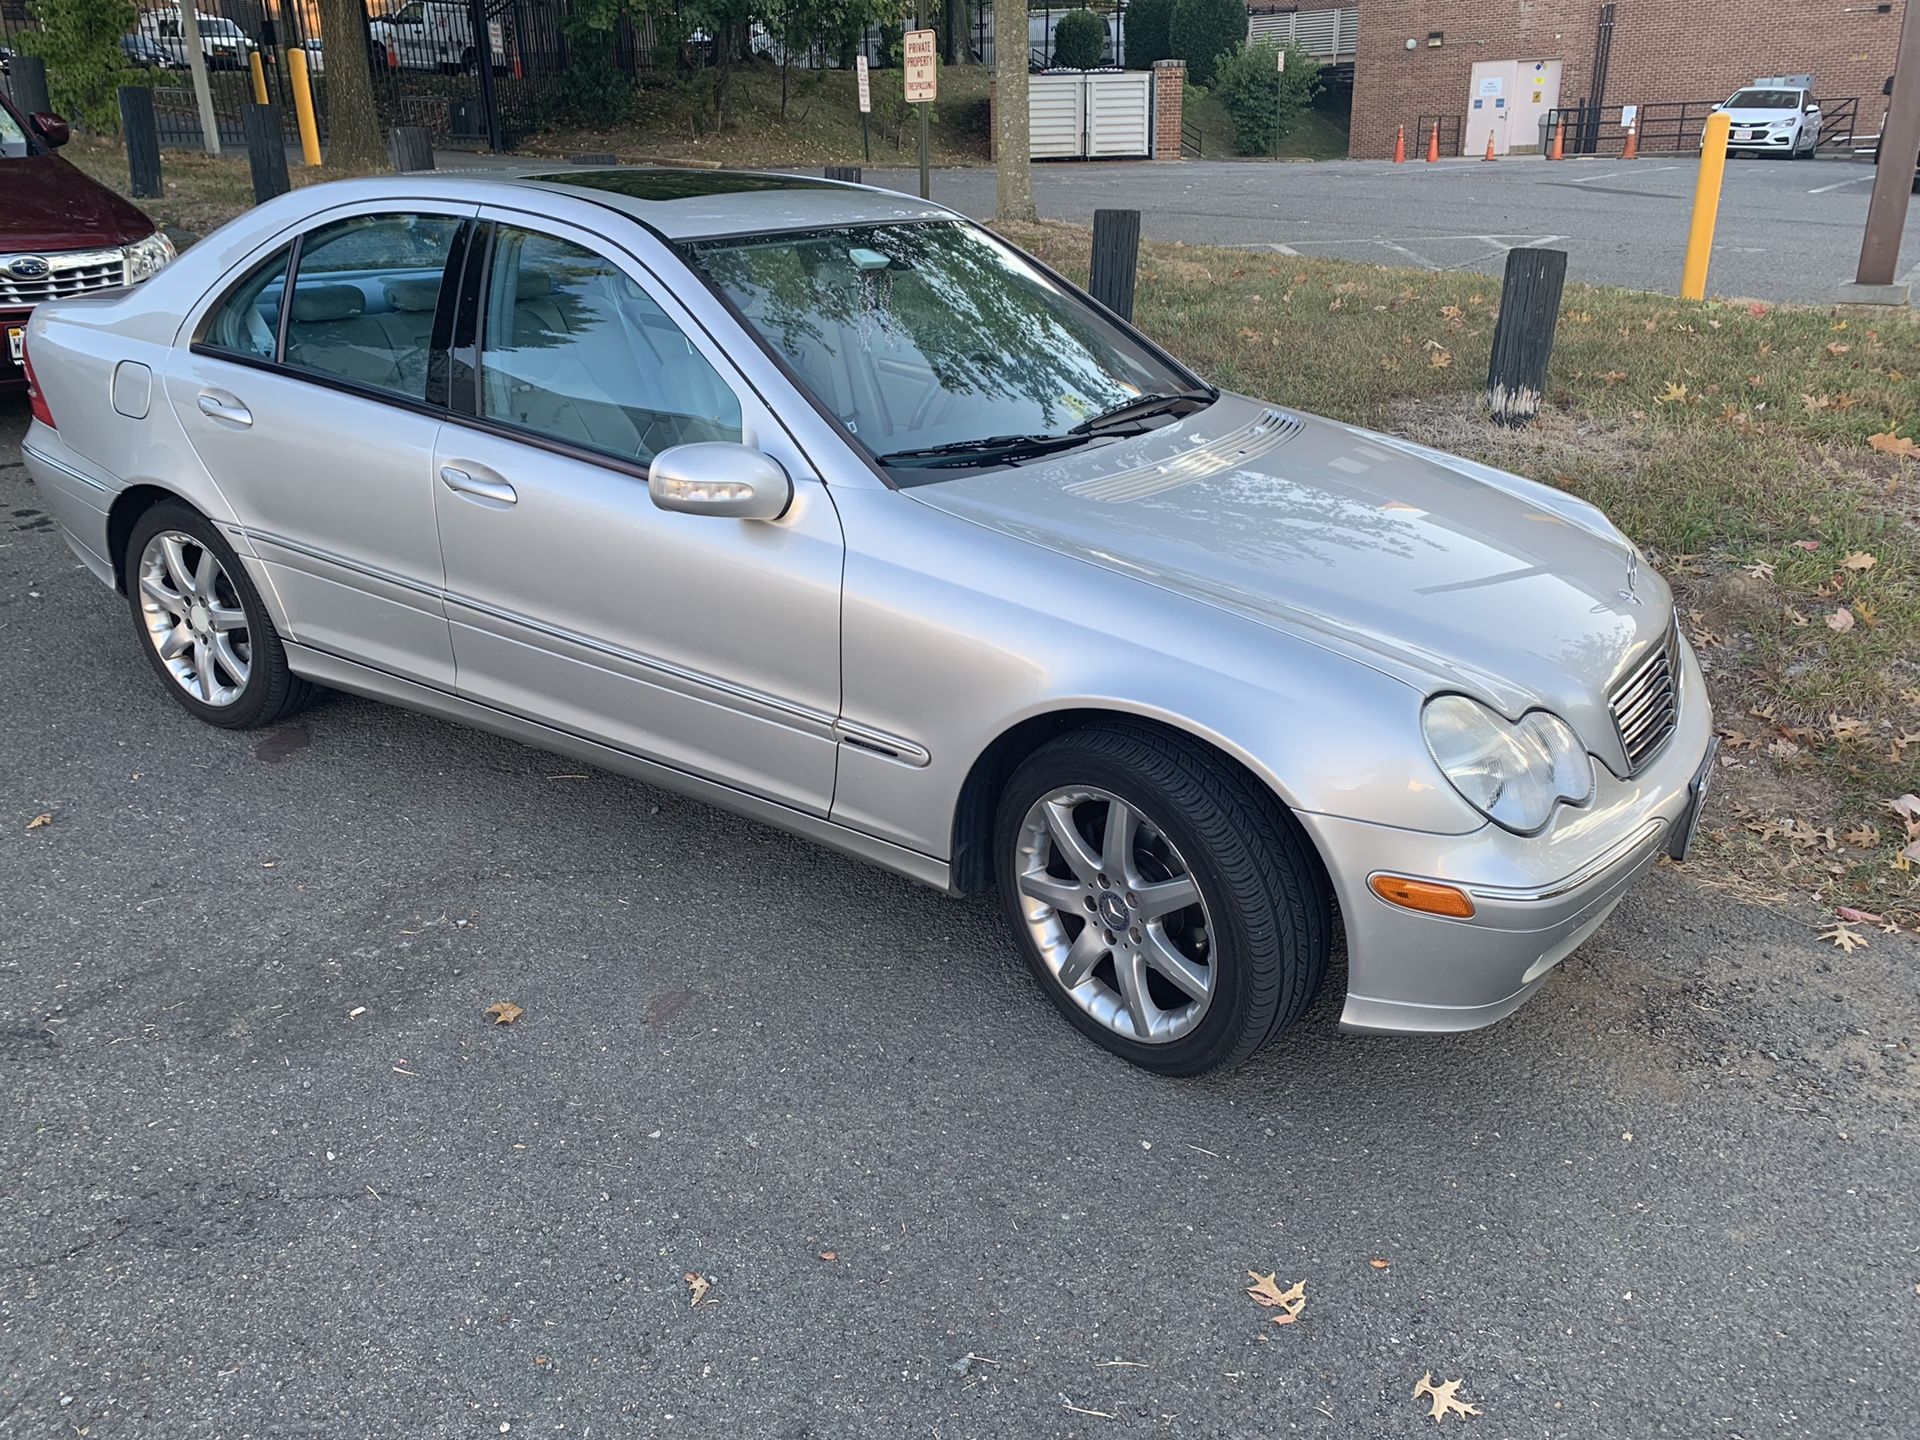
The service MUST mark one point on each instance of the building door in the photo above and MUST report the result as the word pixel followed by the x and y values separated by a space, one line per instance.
pixel 1538 92
pixel 1489 106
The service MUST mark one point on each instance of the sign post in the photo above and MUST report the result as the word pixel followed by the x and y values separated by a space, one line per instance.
pixel 920 65
pixel 866 105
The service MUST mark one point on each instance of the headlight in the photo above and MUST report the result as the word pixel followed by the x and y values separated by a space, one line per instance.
pixel 148 257
pixel 1514 773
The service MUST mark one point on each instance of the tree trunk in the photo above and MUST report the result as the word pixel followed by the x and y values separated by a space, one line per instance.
pixel 353 127
pixel 1012 130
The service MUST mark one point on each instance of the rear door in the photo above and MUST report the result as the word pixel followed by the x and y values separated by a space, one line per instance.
pixel 702 642
pixel 314 418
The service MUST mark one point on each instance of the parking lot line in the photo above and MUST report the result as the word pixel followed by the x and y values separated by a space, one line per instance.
pixel 1616 174
pixel 1841 184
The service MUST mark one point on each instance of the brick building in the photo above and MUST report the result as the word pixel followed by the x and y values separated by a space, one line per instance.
pixel 1518 58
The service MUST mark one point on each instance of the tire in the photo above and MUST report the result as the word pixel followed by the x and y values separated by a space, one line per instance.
pixel 1263 920
pixel 270 691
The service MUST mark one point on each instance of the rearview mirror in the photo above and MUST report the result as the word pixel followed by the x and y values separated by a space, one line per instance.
pixel 52 129
pixel 716 477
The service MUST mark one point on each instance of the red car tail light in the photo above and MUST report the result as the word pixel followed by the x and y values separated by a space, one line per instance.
pixel 36 399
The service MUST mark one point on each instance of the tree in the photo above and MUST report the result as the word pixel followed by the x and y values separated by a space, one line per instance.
pixel 1012 125
pixel 80 41
pixel 1079 40
pixel 1264 101
pixel 1204 30
pixel 1149 33
pixel 353 126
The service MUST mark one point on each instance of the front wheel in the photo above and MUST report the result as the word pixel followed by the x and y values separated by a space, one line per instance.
pixel 202 624
pixel 1169 906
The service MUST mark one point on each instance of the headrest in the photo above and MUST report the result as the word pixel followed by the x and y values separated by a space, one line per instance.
pixel 327 302
pixel 419 294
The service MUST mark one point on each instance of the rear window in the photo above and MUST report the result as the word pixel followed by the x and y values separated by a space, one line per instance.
pixel 13 140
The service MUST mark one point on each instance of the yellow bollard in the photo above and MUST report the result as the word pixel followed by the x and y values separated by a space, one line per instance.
pixel 1706 206
pixel 259 77
pixel 303 105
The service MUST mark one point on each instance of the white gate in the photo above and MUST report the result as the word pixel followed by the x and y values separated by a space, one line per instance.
pixel 1091 114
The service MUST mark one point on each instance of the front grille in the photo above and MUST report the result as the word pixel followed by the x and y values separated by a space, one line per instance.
pixel 1646 705
pixel 73 273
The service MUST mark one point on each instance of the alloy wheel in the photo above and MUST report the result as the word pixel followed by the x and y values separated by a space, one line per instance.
pixel 194 619
pixel 1116 914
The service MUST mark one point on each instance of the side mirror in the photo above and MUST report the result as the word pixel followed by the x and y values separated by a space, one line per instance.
pixel 52 128
pixel 719 478
pixel 1812 109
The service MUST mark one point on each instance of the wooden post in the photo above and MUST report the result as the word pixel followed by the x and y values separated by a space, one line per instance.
pixel 411 147
pixel 27 79
pixel 1116 259
pixel 266 153
pixel 143 140
pixel 1523 335
pixel 848 173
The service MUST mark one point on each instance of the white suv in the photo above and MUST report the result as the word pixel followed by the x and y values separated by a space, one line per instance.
pixel 1774 116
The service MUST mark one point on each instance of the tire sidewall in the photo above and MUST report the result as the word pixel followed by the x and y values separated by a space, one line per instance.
pixel 1227 1019
pixel 258 697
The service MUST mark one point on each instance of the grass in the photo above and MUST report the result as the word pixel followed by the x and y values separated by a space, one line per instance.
pixel 1733 441
pixel 1315 136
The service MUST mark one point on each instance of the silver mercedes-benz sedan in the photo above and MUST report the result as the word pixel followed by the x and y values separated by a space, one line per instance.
pixel 826 505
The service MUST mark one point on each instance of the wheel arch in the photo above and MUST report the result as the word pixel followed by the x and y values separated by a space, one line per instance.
pixel 125 512
pixel 971 864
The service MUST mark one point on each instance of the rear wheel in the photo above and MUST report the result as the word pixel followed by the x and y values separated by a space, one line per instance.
pixel 1170 908
pixel 202 624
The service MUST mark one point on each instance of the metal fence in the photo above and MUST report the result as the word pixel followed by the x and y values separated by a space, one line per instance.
pixel 1677 126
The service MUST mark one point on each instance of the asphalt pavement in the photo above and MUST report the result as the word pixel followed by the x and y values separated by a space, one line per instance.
pixel 267 1170
pixel 1787 230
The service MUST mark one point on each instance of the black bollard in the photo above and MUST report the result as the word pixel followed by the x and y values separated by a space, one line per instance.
pixel 266 152
pixel 143 140
pixel 1116 259
pixel 1523 335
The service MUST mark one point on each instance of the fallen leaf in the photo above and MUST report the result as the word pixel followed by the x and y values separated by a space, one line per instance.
pixel 1840 621
pixel 1847 727
pixel 1266 1291
pixel 1439 359
pixel 697 1286
pixel 1891 444
pixel 1614 377
pixel 1907 806
pixel 1444 1398
pixel 1836 348
pixel 1857 917
pixel 41 820
pixel 1860 560
pixel 505 1012
pixel 1863 838
pixel 1807 545
pixel 829 1255
pixel 1844 938
pixel 1761 570
pixel 1377 1263
pixel 1674 394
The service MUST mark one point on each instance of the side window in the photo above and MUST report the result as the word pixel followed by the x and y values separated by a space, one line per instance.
pixel 247 321
pixel 572 349
pixel 363 299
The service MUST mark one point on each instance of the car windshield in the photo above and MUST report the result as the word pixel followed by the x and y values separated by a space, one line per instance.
pixel 13 140
pixel 935 343
pixel 1765 100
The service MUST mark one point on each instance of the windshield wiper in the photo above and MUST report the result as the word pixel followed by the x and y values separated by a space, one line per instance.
pixel 988 450
pixel 1140 407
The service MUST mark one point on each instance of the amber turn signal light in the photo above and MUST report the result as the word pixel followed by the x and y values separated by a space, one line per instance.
pixel 1422 895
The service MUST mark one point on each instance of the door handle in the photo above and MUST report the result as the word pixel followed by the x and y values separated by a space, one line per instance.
pixel 458 480
pixel 222 406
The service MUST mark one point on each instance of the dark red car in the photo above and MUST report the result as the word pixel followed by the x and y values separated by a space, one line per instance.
pixel 60 232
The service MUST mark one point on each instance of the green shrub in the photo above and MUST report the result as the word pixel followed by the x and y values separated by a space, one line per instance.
pixel 1079 40
pixel 1149 33
pixel 1203 31
pixel 80 41
pixel 1264 102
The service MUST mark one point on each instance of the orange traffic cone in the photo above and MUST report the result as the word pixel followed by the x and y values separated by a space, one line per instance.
pixel 1433 143
pixel 1559 140
pixel 1400 146
pixel 1489 154
pixel 1632 152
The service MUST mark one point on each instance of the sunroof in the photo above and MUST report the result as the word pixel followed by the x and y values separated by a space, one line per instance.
pixel 678 184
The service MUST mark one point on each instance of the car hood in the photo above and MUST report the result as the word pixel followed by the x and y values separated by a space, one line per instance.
pixel 46 204
pixel 1451 574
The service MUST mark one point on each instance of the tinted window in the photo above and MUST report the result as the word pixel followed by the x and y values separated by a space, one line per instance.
pixel 574 350
pixel 1765 100
pixel 247 321
pixel 363 299
pixel 13 140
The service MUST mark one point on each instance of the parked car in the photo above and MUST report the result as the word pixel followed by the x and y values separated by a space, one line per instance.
pixel 146 52
pixel 826 505
pixel 224 44
pixel 428 35
pixel 61 233
pixel 1773 118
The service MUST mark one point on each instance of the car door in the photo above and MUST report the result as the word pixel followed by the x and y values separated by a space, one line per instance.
pixel 706 643
pixel 308 405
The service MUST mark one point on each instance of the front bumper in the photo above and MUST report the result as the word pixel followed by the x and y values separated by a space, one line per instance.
pixel 1535 899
